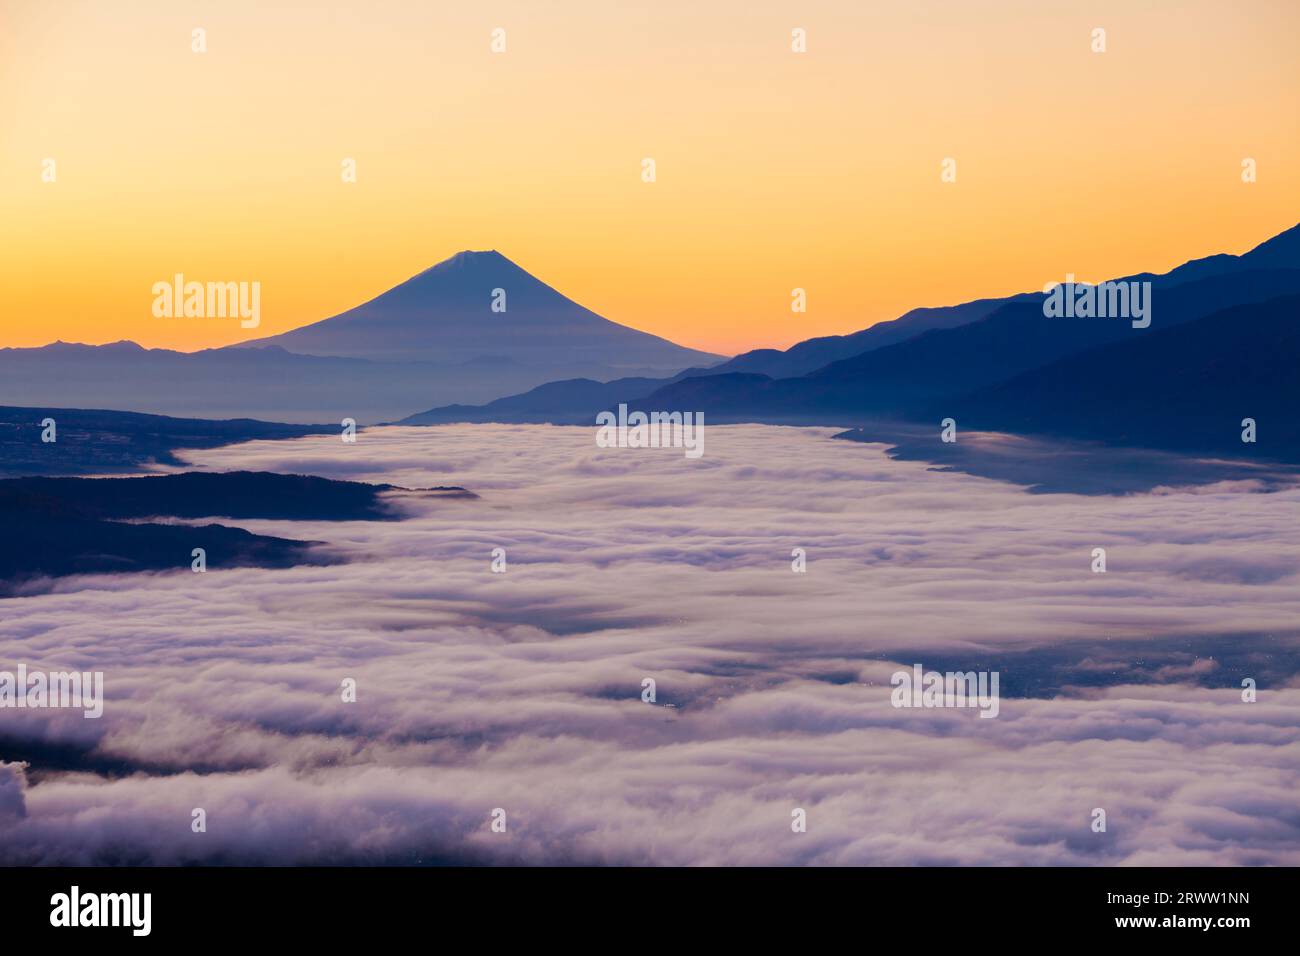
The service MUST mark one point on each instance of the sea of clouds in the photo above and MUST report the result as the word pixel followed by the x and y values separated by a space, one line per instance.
pixel 522 690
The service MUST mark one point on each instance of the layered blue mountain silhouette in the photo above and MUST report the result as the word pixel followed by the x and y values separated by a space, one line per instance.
pixel 811 354
pixel 1002 364
pixel 1188 387
pixel 1220 347
pixel 434 337
pixel 566 402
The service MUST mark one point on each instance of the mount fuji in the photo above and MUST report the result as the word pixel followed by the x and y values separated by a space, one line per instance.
pixel 480 307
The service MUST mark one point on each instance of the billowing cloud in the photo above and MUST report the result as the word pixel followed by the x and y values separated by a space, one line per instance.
pixel 522 690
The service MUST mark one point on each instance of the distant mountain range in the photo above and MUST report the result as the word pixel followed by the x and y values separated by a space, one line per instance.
pixel 433 338
pixel 1187 387
pixel 911 376
pixel 566 402
pixel 812 354
pixel 1221 346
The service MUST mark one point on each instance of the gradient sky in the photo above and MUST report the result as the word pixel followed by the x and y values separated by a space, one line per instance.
pixel 775 169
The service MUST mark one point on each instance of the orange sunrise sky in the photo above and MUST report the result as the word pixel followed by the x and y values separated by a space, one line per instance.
pixel 775 169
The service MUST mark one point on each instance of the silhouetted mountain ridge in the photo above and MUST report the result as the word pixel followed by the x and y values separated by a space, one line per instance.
pixel 433 338
pixel 1188 387
pixel 906 378
pixel 995 361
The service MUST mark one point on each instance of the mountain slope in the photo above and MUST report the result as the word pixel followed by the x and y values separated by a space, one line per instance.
pixel 904 378
pixel 431 340
pixel 811 354
pixel 1280 252
pixel 1186 388
pixel 445 314
pixel 898 367
pixel 1016 338
pixel 568 402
